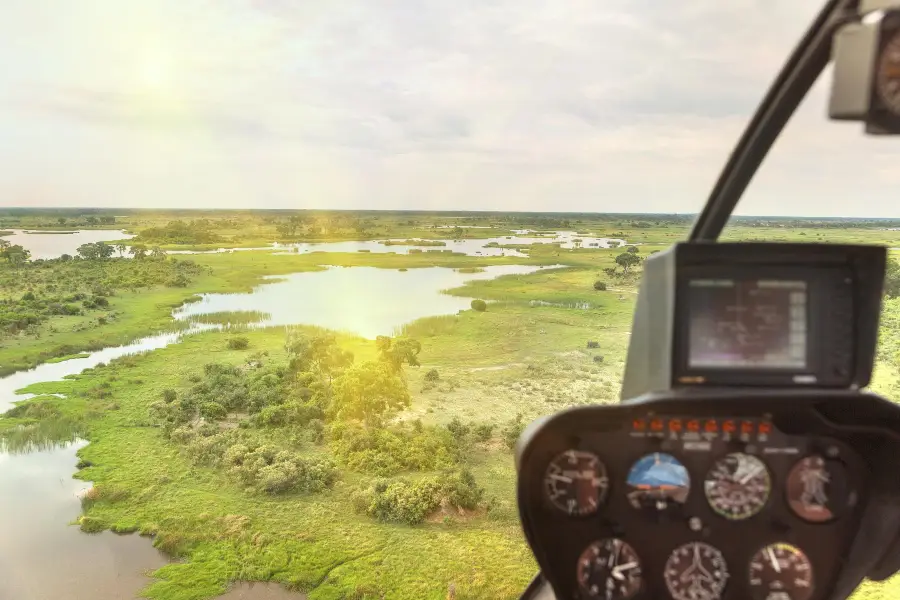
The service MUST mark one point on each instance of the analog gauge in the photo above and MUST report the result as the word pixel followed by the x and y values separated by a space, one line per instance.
pixel 887 78
pixel 576 482
pixel 781 572
pixel 819 490
pixel 696 571
pixel 738 486
pixel 609 570
pixel 658 481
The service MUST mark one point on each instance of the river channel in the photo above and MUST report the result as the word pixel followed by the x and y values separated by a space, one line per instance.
pixel 43 558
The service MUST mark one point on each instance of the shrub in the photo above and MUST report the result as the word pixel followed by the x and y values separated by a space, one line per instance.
pixel 169 395
pixel 458 429
pixel 213 411
pixel 513 430
pixel 268 470
pixel 179 280
pixel 387 451
pixel 432 375
pixel 238 343
pixel 410 502
pixel 484 432
pixel 479 305
pixel 600 286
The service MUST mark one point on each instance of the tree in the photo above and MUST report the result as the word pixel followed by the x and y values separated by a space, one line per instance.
pixel 632 249
pixel 92 220
pixel 600 286
pixel 95 251
pixel 16 255
pixel 158 253
pixel 61 221
pixel 89 251
pixel 104 250
pixel 370 392
pixel 397 351
pixel 626 260
pixel 121 248
pixel 137 250
pixel 319 353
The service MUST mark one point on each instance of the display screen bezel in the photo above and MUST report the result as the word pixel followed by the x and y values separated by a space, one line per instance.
pixel 816 283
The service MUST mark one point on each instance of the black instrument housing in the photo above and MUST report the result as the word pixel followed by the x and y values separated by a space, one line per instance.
pixel 861 429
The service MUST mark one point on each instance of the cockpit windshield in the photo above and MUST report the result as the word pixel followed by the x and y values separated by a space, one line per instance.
pixel 282 284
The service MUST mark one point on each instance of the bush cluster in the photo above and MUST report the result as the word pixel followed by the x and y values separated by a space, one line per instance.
pixel 266 469
pixel 387 451
pixel 223 389
pixel 410 502
pixel 512 430
pixel 238 343
pixel 67 286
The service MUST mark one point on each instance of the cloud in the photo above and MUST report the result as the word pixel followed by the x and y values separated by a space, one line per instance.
pixel 467 104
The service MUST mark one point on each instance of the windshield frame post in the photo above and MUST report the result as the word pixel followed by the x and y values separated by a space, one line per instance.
pixel 790 87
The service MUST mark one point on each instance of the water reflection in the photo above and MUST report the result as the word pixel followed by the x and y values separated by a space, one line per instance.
pixel 43 244
pixel 42 557
pixel 470 247
pixel 60 370
pixel 363 300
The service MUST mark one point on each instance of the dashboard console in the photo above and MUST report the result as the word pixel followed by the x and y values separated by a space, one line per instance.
pixel 728 496
pixel 743 462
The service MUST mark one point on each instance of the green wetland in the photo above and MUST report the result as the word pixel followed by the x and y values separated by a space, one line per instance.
pixel 314 419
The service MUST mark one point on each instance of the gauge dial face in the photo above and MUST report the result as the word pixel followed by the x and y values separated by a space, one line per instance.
pixel 819 490
pixel 609 570
pixel 658 481
pixel 576 482
pixel 887 78
pixel 781 572
pixel 738 486
pixel 696 571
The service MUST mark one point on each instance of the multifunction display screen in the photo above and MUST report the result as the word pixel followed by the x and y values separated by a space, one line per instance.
pixel 748 324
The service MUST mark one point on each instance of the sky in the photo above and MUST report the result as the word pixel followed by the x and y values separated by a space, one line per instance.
pixel 556 105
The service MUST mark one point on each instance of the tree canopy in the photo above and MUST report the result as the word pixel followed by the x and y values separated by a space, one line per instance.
pixel 369 392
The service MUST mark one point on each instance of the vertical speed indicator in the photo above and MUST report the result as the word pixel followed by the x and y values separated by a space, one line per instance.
pixel 576 482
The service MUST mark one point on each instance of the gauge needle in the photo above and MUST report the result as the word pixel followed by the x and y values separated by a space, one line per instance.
pixel 774 560
pixel 562 478
pixel 617 572
pixel 750 476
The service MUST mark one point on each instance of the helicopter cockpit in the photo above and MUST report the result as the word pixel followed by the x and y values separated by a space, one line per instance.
pixel 746 460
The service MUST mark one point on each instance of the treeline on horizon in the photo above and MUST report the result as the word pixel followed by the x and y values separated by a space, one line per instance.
pixel 107 215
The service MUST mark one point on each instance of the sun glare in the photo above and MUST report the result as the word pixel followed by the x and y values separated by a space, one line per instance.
pixel 155 71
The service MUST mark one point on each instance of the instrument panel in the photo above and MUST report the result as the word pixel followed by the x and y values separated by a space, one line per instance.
pixel 683 507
